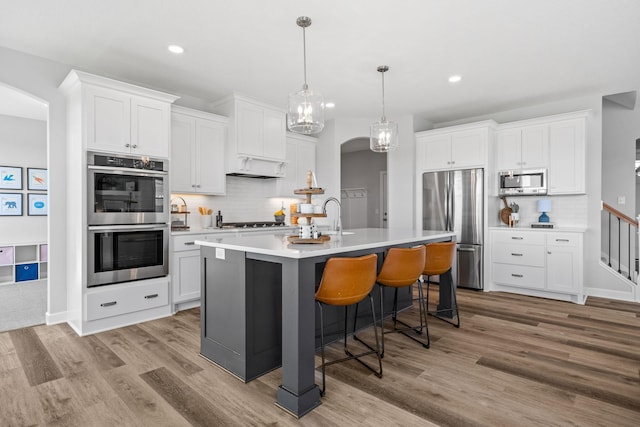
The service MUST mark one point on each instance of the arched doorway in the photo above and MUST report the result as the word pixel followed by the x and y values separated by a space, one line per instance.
pixel 24 241
pixel 363 185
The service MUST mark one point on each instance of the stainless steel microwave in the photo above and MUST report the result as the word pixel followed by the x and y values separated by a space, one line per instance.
pixel 524 182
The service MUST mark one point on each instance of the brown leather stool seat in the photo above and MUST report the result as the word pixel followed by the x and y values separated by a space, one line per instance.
pixel 345 282
pixel 439 260
pixel 403 267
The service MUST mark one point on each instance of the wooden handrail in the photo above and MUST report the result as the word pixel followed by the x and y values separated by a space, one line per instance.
pixel 619 214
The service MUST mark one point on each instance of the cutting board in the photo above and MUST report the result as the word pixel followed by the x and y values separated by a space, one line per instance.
pixel 505 212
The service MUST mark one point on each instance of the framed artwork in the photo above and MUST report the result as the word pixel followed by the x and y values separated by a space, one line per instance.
pixel 10 204
pixel 10 178
pixel 38 204
pixel 37 179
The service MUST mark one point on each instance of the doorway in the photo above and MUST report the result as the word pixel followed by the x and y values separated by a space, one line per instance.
pixel 24 266
pixel 362 185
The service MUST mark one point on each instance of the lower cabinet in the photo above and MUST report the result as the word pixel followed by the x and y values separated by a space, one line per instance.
pixel 539 263
pixel 185 266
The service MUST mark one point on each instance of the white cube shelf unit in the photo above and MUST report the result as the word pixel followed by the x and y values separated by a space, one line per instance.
pixel 23 262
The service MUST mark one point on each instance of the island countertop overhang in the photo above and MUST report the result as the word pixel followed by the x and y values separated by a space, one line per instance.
pixel 360 239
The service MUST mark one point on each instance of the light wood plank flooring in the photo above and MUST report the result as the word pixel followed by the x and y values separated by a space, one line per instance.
pixel 516 361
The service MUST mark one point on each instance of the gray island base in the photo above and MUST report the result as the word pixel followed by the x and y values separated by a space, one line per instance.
pixel 258 303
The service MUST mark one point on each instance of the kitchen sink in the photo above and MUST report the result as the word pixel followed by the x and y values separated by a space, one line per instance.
pixel 333 233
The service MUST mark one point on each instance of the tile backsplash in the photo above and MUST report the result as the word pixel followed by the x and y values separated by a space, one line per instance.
pixel 566 211
pixel 247 199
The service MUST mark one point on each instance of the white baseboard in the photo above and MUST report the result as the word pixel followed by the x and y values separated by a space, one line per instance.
pixel 55 318
pixel 608 293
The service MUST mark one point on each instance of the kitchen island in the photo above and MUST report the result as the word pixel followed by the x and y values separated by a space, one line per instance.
pixel 257 306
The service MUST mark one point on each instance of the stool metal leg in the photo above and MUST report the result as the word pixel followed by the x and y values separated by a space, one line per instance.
pixel 426 343
pixel 452 310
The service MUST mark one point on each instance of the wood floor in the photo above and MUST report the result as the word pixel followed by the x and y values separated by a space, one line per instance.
pixel 516 361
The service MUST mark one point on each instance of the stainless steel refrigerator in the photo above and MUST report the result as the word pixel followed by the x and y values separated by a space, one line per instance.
pixel 453 201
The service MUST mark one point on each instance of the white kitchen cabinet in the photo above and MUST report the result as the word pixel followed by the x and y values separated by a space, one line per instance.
pixel 522 148
pixel 257 137
pixel 122 118
pixel 185 265
pixel 539 263
pixel 457 147
pixel 301 158
pixel 567 156
pixel 197 152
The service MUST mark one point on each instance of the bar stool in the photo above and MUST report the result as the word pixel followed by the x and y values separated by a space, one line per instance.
pixel 403 267
pixel 438 260
pixel 345 282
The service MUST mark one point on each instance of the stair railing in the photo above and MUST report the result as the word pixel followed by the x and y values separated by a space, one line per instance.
pixel 619 219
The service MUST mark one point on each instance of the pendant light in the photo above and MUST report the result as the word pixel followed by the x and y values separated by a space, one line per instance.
pixel 384 134
pixel 306 108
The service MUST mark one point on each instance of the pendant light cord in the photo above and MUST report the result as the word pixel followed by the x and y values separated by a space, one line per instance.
pixel 383 118
pixel 304 57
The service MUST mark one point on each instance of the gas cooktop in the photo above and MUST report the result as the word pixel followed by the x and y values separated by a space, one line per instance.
pixel 253 224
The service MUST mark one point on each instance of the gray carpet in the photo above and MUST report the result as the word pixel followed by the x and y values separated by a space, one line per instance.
pixel 22 304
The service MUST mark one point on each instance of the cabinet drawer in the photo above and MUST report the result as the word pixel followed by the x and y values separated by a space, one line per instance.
pixel 26 272
pixel 519 275
pixel 6 255
pixel 186 242
pixel 563 239
pixel 519 237
pixel 531 255
pixel 127 299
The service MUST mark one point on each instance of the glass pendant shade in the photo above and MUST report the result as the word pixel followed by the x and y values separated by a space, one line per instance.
pixel 384 136
pixel 306 112
pixel 306 108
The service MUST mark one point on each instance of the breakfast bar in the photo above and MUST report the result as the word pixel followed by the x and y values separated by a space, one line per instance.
pixel 257 305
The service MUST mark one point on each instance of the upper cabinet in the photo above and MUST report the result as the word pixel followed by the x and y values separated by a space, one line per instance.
pixel 118 117
pixel 556 143
pixel 456 147
pixel 522 147
pixel 301 158
pixel 197 152
pixel 257 136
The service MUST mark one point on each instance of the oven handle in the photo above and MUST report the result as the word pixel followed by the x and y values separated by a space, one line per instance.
pixel 127 171
pixel 128 227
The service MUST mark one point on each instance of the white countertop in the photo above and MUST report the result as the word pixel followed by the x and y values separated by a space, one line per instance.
pixel 352 240
pixel 215 230
pixel 550 230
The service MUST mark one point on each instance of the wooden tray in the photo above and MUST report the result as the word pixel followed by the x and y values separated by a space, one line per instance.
pixel 296 239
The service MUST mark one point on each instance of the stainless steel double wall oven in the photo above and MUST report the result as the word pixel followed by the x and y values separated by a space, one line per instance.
pixel 128 218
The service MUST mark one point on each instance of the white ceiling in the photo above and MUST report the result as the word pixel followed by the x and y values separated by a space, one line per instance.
pixel 510 53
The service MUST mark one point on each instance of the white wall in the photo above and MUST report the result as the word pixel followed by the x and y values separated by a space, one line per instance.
pixel 23 143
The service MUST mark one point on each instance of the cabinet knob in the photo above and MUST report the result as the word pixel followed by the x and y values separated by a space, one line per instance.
pixel 549 252
pixel 127 145
pixel 135 146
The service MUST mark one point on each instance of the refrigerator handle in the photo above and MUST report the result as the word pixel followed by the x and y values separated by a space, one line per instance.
pixel 450 206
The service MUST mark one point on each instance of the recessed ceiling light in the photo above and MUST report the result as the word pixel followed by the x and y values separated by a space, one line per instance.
pixel 454 79
pixel 329 105
pixel 174 48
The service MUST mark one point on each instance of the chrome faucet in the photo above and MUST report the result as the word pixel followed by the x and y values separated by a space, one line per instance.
pixel 338 223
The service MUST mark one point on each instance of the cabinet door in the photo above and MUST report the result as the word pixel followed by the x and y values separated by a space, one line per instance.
pixel 436 152
pixel 183 137
pixel 561 262
pixel 249 129
pixel 274 135
pixel 567 157
pixel 186 276
pixel 209 157
pixel 468 149
pixel 108 120
pixel 535 147
pixel 509 149
pixel 149 127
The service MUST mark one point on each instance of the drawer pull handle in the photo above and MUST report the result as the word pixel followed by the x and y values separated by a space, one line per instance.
pixel 517 238
pixel 189 243
pixel 150 296
pixel 514 254
pixel 562 240
pixel 517 275
pixel 108 304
